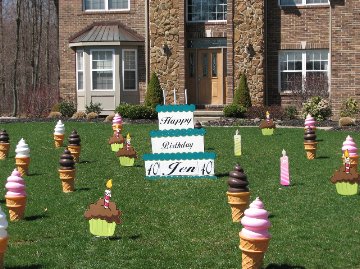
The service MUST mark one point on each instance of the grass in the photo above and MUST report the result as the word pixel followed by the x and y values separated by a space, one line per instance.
pixel 181 223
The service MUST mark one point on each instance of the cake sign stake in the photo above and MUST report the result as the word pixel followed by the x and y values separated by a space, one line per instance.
pixel 107 194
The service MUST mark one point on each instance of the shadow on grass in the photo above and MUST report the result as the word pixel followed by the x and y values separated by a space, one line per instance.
pixel 2 201
pixel 323 157
pixel 35 174
pixel 35 217
pixel 32 266
pixel 86 161
pixel 136 165
pixel 283 266
pixel 222 174
pixel 83 189
pixel 131 237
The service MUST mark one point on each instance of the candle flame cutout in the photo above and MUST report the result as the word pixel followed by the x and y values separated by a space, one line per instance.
pixel 109 184
pixel 128 137
pixel 267 114
pixel 283 152
pixel 346 154
pixel 237 132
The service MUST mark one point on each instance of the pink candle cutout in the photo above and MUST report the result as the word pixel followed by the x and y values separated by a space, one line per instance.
pixel 107 194
pixel 347 162
pixel 128 142
pixel 284 169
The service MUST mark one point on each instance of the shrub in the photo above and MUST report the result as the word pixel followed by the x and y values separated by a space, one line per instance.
pixel 92 115
pixel 317 107
pixel 56 108
pixel 67 108
pixel 109 118
pixel 93 108
pixel 242 93
pixel 79 115
pixel 276 112
pixel 136 111
pixel 234 111
pixel 290 112
pixel 54 115
pixel 154 93
pixel 349 108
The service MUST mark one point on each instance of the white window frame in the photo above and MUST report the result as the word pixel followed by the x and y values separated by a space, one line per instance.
pixel 187 16
pixel 303 66
pixel 304 3
pixel 123 70
pixel 112 69
pixel 78 70
pixel 106 7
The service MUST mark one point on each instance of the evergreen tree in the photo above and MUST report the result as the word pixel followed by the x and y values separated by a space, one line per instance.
pixel 154 95
pixel 242 93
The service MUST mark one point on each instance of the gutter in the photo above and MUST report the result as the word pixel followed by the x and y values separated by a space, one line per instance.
pixel 147 67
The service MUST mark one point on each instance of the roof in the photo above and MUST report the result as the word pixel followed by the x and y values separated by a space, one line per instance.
pixel 106 33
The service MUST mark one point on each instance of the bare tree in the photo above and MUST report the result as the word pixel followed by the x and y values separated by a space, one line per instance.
pixel 15 90
pixel 2 75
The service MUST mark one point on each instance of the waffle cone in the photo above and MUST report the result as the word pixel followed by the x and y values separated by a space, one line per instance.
pixel 67 180
pixel 16 206
pixel 310 149
pixel 75 152
pixel 3 246
pixel 4 150
pixel 59 139
pixel 238 202
pixel 22 165
pixel 253 251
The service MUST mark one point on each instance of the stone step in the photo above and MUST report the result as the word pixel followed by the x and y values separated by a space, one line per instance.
pixel 206 119
pixel 208 113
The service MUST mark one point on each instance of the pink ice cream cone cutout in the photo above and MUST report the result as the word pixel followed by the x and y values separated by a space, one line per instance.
pixel 15 196
pixel 310 122
pixel 254 237
pixel 350 146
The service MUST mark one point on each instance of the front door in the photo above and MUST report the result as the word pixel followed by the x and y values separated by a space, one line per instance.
pixel 210 76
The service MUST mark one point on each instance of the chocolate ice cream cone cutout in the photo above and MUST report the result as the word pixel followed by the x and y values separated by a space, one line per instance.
pixel 4 144
pixel 74 145
pixel 310 143
pixel 67 171
pixel 238 193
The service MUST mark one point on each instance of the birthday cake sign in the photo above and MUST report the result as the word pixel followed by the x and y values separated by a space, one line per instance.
pixel 178 148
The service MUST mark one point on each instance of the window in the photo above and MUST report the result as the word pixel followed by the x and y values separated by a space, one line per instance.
pixel 302 2
pixel 191 64
pixel 102 70
pixel 205 10
pixel 214 64
pixel 80 70
pixel 129 63
pixel 105 5
pixel 299 69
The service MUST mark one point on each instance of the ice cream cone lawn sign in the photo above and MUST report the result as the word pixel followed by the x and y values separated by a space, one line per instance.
pixel 22 157
pixel 254 237
pixel 350 146
pixel 74 145
pixel 4 144
pixel 59 133
pixel 238 193
pixel 3 237
pixel 103 215
pixel 15 196
pixel 67 171
pixel 310 143
pixel 117 122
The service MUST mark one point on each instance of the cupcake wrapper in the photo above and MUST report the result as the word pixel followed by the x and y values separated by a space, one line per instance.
pixel 116 147
pixel 100 227
pixel 126 161
pixel 267 131
pixel 345 188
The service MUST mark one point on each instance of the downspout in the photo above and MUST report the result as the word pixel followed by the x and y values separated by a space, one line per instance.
pixel 266 90
pixel 147 42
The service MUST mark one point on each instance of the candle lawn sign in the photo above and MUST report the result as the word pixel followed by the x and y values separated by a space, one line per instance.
pixel 178 148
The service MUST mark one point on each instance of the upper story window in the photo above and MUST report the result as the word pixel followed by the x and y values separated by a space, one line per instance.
pixel 206 10
pixel 80 70
pixel 102 70
pixel 305 68
pixel 106 5
pixel 302 2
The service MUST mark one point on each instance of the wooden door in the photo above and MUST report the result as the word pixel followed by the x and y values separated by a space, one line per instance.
pixel 210 76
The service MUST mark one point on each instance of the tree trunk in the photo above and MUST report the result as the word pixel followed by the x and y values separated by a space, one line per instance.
pixel 37 59
pixel 2 70
pixel 15 91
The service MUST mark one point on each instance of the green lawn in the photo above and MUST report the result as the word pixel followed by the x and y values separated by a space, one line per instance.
pixel 181 223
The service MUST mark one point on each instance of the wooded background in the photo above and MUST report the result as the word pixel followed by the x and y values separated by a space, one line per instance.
pixel 29 64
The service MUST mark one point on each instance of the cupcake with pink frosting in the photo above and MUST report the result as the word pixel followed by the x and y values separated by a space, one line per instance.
pixel 350 145
pixel 117 123
pixel 15 196
pixel 310 122
pixel 254 237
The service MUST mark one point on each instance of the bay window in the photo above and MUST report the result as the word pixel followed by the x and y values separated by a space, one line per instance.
pixel 302 68
pixel 102 70
pixel 129 64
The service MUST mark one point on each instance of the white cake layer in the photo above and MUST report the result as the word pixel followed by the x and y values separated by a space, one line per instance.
pixel 156 168
pixel 179 144
pixel 176 120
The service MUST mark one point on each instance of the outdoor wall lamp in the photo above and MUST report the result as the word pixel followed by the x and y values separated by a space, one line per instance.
pixel 249 49
pixel 166 49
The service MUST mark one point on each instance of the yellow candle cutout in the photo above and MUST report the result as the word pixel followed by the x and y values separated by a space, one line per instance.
pixel 237 143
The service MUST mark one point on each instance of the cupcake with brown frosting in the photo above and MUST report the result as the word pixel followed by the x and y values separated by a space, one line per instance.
pixel 346 183
pixel 116 141
pixel 267 126
pixel 127 154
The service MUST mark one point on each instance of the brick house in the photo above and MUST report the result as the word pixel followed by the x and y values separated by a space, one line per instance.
pixel 108 49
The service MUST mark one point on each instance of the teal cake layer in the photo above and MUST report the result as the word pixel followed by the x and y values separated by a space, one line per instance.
pixel 181 132
pixel 179 177
pixel 175 108
pixel 178 156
